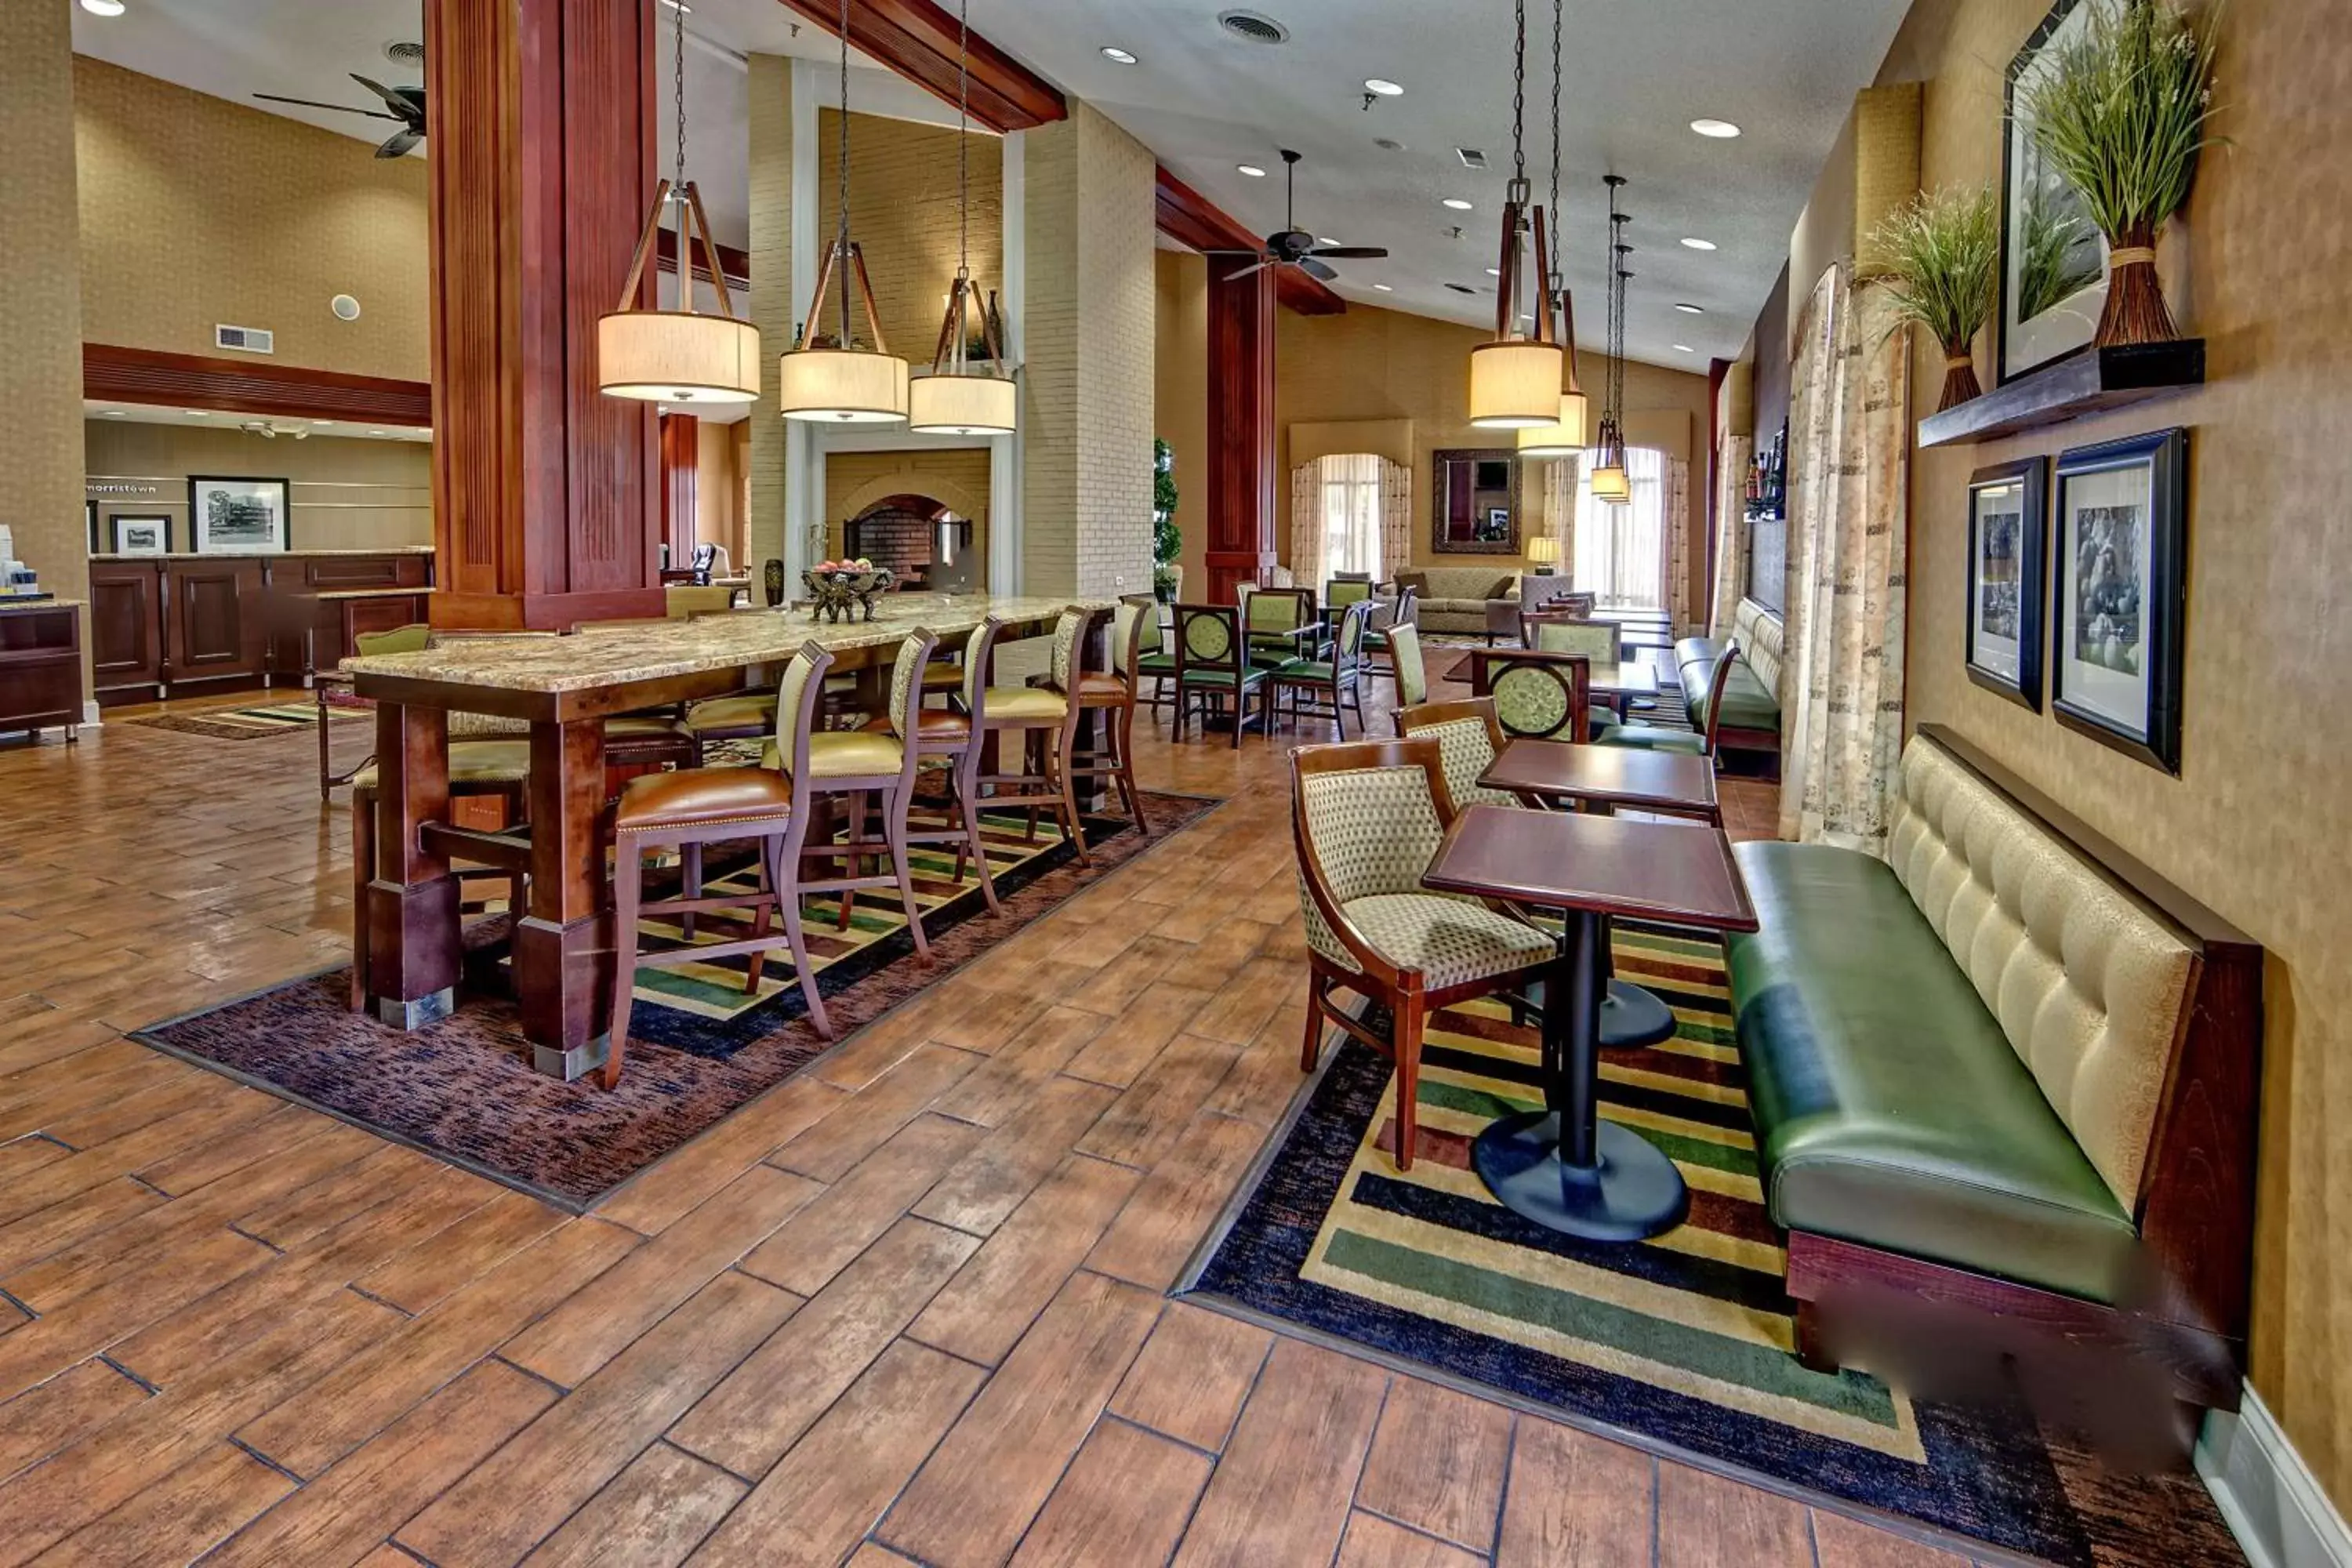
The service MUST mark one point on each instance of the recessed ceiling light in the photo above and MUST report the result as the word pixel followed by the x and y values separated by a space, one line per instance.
pixel 680 6
pixel 1456 202
pixel 1113 52
pixel 1324 239
pixel 1690 244
pixel 1689 310
pixel 1252 170
pixel 1493 272
pixel 102 7
pixel 1685 349
pixel 322 423
pixel 197 413
pixel 1721 130
pixel 114 414
pixel 1383 288
pixel 1382 85
pixel 375 432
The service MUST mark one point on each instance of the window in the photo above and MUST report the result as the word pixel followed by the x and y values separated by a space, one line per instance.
pixel 1351 514
pixel 1621 550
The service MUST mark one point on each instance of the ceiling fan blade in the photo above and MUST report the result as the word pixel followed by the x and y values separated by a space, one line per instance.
pixel 1314 268
pixel 400 143
pixel 338 108
pixel 1254 267
pixel 1350 252
pixel 400 106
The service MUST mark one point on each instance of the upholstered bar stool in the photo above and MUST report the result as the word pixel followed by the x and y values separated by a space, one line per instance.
pixel 1045 719
pixel 1114 693
pixel 944 738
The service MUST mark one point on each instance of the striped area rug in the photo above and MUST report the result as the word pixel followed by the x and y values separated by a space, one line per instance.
pixel 1686 1339
pixel 247 723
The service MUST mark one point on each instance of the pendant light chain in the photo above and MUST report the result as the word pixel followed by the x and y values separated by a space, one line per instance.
pixel 677 51
pixel 963 137
pixel 1555 129
pixel 1519 95
pixel 841 175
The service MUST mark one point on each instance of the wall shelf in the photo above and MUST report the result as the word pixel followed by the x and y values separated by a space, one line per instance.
pixel 2088 383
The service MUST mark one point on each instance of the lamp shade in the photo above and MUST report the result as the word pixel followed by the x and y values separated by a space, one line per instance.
pixel 1515 385
pixel 1571 436
pixel 943 404
pixel 1610 483
pixel 1544 551
pixel 844 386
pixel 677 356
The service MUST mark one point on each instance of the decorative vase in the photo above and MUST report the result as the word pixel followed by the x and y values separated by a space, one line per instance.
pixel 772 582
pixel 2135 312
pixel 1961 383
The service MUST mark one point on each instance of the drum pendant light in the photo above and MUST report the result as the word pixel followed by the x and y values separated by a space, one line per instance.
pixel 831 380
pixel 1610 481
pixel 953 399
pixel 1572 433
pixel 1514 379
pixel 682 355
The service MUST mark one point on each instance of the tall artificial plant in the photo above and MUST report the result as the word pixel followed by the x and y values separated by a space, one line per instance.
pixel 1943 251
pixel 2122 112
pixel 1166 539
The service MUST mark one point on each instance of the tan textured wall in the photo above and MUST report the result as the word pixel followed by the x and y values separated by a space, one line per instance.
pixel 955 476
pixel 902 208
pixel 2257 823
pixel 774 309
pixel 717 490
pixel 1180 399
pixel 40 297
pixel 1086 468
pixel 197 211
pixel 1371 364
pixel 344 493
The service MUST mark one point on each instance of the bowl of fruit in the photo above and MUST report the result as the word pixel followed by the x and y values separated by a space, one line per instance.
pixel 839 589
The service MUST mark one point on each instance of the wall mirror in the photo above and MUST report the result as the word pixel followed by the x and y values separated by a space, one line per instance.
pixel 1475 502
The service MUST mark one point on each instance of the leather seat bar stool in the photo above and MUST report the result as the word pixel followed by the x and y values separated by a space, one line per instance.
pixel 1045 720
pixel 1115 693
pixel 945 737
pixel 498 768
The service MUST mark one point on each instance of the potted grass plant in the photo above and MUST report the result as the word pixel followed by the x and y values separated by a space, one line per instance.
pixel 1943 249
pixel 2122 114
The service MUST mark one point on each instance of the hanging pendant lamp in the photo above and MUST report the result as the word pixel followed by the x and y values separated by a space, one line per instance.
pixel 1612 483
pixel 832 380
pixel 954 398
pixel 1572 433
pixel 683 355
pixel 1514 379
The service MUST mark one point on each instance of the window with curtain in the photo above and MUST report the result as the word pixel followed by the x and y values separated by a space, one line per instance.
pixel 1351 514
pixel 1621 550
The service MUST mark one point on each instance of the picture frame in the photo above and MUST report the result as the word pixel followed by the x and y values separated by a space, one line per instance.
pixel 2008 546
pixel 2053 261
pixel 1475 501
pixel 134 535
pixel 2120 593
pixel 237 514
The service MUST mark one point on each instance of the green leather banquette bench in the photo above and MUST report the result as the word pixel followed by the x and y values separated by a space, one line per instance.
pixel 1751 700
pixel 2005 1070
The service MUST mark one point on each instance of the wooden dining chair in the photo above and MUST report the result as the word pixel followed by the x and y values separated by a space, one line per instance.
pixel 478 769
pixel 1660 738
pixel 1213 667
pixel 1346 588
pixel 1547 696
pixel 413 638
pixel 1269 615
pixel 1406 665
pixel 1367 818
pixel 1335 677
pixel 1469 737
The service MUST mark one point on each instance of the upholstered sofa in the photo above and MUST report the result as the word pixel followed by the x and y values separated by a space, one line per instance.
pixel 1751 699
pixel 1453 598
pixel 2005 1070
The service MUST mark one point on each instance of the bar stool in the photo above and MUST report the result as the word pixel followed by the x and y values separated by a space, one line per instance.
pixel 1115 693
pixel 477 769
pixel 1045 718
pixel 944 738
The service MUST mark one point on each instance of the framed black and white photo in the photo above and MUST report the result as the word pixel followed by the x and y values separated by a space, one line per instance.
pixel 141 535
pixel 2054 264
pixel 2009 536
pixel 236 516
pixel 2121 593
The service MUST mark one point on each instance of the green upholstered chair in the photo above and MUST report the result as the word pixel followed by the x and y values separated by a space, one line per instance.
pixel 1557 631
pixel 1346 588
pixel 1335 677
pixel 1401 609
pixel 1546 695
pixel 1155 660
pixel 1468 739
pixel 1658 738
pixel 1405 664
pixel 1269 615
pixel 1366 820
pixel 1211 669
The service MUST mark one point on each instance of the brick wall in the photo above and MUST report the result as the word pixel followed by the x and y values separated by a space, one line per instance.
pixel 773 310
pixel 955 476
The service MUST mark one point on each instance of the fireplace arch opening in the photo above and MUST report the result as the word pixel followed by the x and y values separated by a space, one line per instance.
pixel 927 545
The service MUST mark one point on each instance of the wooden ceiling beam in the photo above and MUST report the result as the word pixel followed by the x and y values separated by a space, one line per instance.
pixel 1190 218
pixel 918 39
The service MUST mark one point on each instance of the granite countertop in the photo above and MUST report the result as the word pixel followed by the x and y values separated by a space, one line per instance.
pixel 264 555
pixel 656 650
pixel 372 592
pixel 10 602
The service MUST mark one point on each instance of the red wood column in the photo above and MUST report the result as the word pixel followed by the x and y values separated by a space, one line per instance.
pixel 1242 478
pixel 681 463
pixel 542 162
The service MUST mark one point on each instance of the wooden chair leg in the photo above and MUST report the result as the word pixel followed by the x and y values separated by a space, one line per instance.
pixel 627 878
pixel 894 830
pixel 689 882
pixel 326 761
pixel 788 907
pixel 1407 1041
pixel 1067 759
pixel 363 873
pixel 1127 784
pixel 1311 1051
pixel 851 864
pixel 762 910
pixel 967 789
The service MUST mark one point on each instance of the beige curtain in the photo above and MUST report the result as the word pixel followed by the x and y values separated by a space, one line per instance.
pixel 1842 706
pixel 1677 596
pixel 1306 540
pixel 1396 517
pixel 1559 509
pixel 1730 532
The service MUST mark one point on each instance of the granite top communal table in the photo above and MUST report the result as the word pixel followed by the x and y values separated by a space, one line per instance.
pixel 566 687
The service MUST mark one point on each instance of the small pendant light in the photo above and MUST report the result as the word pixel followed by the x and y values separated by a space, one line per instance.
pixel 952 398
pixel 839 382
pixel 1610 481
pixel 1572 434
pixel 1514 379
pixel 681 355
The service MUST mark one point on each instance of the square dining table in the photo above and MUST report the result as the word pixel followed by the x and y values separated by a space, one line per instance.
pixel 1562 1166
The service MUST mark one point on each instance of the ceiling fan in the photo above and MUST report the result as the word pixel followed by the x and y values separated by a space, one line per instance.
pixel 407 105
pixel 1294 247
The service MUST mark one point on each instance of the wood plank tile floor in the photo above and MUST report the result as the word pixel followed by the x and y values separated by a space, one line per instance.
pixel 909 1308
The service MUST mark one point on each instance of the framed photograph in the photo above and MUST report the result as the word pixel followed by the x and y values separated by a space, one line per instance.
pixel 141 535
pixel 2008 538
pixel 2122 592
pixel 89 518
pixel 236 516
pixel 2054 264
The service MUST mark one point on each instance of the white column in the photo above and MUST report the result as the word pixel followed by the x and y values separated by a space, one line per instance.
pixel 1005 454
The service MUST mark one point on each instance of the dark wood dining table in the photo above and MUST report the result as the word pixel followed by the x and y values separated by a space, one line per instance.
pixel 1563 1166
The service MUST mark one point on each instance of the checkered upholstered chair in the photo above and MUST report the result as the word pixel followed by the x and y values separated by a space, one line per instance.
pixel 1547 696
pixel 1211 668
pixel 1366 820
pixel 1468 738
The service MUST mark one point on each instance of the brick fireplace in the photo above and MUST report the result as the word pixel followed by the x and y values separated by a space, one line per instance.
pixel 903 533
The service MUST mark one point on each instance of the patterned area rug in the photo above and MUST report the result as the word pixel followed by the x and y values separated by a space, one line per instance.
pixel 248 723
pixel 1686 1339
pixel 699 1046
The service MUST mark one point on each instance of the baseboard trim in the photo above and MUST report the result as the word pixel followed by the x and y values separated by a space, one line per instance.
pixel 89 718
pixel 2272 1503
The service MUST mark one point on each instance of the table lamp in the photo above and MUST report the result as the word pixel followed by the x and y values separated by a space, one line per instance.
pixel 1544 551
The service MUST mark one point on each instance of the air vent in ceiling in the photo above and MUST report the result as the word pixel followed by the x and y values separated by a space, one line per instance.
pixel 1253 26
pixel 1388 144
pixel 245 340
pixel 401 53
pixel 1471 157
pixel 1462 289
